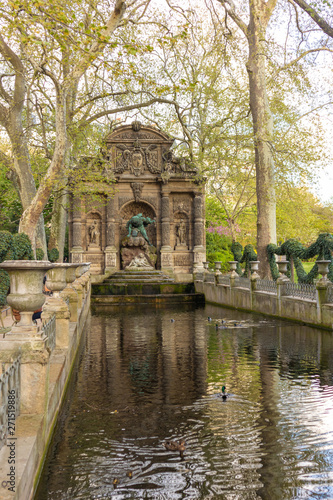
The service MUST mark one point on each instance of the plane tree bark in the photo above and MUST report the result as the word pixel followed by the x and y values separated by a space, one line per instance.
pixel 255 33
pixel 11 120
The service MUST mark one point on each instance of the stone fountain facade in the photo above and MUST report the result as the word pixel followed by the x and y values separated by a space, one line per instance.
pixel 151 181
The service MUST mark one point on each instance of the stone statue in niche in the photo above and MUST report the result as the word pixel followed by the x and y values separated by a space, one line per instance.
pixel 137 224
pixel 136 249
pixel 181 233
pixel 93 233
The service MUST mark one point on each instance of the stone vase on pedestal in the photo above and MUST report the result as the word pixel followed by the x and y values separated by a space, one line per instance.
pixel 323 268
pixel 26 292
pixel 254 264
pixel 283 268
pixel 233 267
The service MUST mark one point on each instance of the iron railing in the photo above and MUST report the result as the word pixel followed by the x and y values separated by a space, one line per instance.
pixel 10 392
pixel 243 283
pixel 209 278
pixel 266 286
pixel 224 279
pixel 300 290
pixel 199 276
pixel 49 330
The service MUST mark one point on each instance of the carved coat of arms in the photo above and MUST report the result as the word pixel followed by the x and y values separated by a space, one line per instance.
pixel 137 158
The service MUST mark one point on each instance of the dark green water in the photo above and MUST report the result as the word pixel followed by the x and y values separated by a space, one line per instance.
pixel 142 379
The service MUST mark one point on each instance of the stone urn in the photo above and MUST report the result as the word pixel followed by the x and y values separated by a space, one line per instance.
pixel 26 290
pixel 323 268
pixel 218 267
pixel 254 264
pixel 233 267
pixel 56 278
pixel 206 264
pixel 283 267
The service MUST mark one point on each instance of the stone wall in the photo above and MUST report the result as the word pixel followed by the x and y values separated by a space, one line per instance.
pixel 39 409
pixel 315 312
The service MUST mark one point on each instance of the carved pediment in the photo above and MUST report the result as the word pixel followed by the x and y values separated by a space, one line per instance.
pixel 142 150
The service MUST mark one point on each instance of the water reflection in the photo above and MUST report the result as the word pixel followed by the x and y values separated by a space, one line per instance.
pixel 143 379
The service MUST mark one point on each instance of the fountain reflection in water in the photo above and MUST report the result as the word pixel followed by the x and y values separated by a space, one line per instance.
pixel 143 379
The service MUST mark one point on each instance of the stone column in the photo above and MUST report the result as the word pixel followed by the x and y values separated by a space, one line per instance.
pixel 199 249
pixel 110 251
pixel 166 250
pixel 77 250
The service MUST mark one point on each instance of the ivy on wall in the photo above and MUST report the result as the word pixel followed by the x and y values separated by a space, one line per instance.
pixel 293 249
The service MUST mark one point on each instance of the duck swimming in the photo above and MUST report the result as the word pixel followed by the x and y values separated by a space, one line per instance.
pixel 175 446
pixel 223 394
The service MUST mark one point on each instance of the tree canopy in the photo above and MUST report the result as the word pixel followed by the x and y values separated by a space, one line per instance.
pixel 236 83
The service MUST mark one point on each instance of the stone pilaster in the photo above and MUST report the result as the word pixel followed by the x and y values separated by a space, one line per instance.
pixel 166 250
pixel 77 250
pixel 110 251
pixel 199 249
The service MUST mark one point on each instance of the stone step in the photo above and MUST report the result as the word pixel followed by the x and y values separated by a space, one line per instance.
pixel 121 277
pixel 142 288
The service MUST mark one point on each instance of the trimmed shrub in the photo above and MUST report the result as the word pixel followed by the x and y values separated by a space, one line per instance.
pixel 53 255
pixel 39 254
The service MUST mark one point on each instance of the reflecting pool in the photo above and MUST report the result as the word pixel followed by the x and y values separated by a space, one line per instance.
pixel 149 375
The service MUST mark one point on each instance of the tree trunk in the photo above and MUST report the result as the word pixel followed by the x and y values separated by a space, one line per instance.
pixel 263 128
pixel 31 214
pixel 58 224
pixel 24 178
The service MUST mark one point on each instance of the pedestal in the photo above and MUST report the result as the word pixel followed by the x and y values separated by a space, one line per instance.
pixel 110 256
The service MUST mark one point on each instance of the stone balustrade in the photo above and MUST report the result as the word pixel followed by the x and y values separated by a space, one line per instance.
pixel 310 304
pixel 46 353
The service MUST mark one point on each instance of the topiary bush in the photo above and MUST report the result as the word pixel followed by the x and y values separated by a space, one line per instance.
pixel 53 255
pixel 292 248
pixel 12 247
pixel 6 246
pixel 39 254
pixel 22 247
pixel 243 257
pixel 4 286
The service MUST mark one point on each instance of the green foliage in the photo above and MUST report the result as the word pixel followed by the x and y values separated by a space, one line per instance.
pixel 22 247
pixel 12 247
pixel 215 213
pixel 293 249
pixel 39 254
pixel 218 250
pixel 53 255
pixel 6 246
pixel 10 205
pixel 4 286
pixel 243 257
